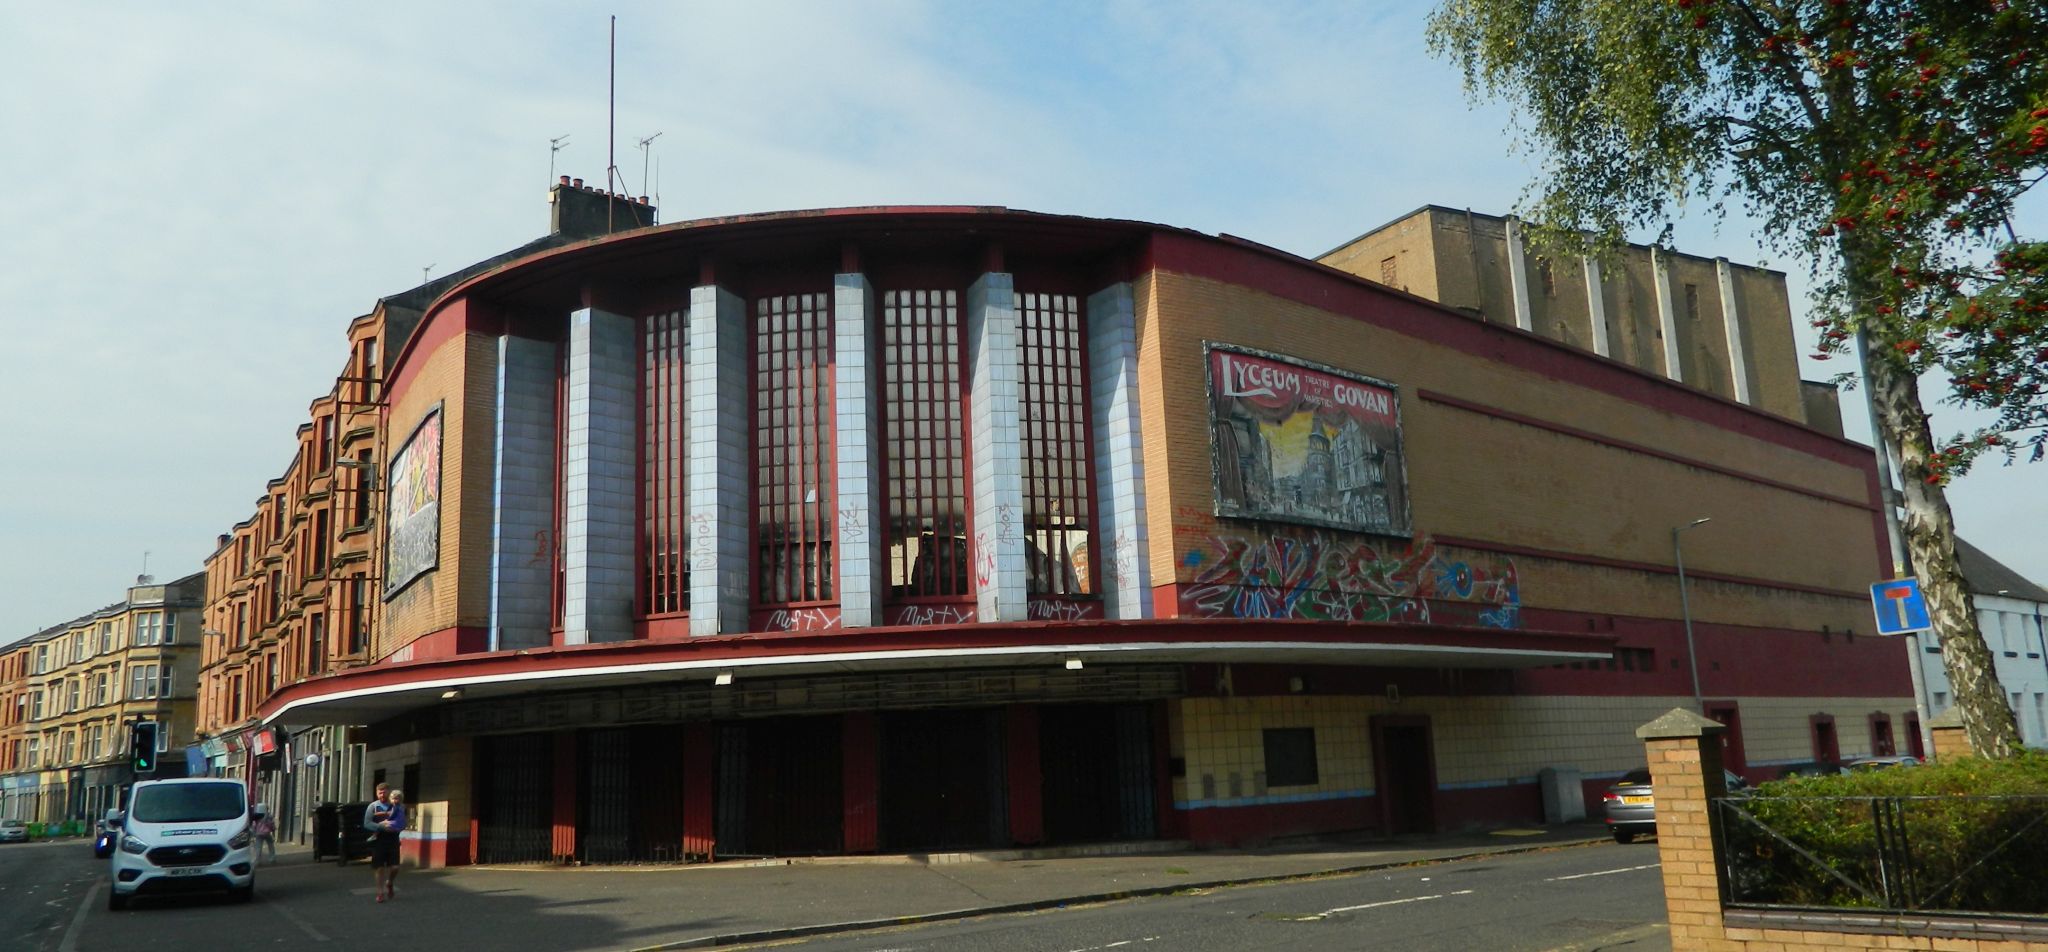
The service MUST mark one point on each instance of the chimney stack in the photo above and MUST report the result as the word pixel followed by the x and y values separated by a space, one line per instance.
pixel 579 211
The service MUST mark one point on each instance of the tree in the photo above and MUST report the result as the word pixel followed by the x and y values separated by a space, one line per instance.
pixel 1885 142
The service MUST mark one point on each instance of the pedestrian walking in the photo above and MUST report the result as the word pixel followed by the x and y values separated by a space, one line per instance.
pixel 377 822
pixel 397 822
pixel 265 830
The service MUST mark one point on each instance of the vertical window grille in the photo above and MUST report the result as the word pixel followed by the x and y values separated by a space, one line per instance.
pixel 927 493
pixel 793 447
pixel 559 584
pixel 1053 410
pixel 664 458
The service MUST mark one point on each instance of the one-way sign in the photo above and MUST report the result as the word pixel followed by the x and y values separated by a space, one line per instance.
pixel 1901 609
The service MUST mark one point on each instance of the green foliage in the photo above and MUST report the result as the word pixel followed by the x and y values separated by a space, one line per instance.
pixel 1960 836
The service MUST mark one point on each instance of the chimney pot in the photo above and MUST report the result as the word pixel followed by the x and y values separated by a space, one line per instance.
pixel 576 183
pixel 565 180
pixel 643 199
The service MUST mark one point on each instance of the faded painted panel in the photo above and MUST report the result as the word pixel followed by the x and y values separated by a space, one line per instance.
pixel 413 505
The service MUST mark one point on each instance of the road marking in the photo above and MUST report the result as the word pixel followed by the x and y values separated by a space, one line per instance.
pixel 295 919
pixel 1604 872
pixel 1386 902
pixel 1614 939
pixel 1112 945
pixel 70 941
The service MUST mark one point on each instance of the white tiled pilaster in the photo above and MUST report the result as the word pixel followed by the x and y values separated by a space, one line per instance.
pixel 1667 313
pixel 599 475
pixel 1731 321
pixel 1119 452
pixel 993 431
pixel 720 471
pixel 1518 275
pixel 859 479
pixel 1596 306
pixel 523 495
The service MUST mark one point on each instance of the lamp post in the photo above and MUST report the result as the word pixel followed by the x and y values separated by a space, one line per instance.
pixel 1692 654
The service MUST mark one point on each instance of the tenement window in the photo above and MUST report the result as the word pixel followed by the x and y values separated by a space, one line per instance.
pixel 793 476
pixel 926 534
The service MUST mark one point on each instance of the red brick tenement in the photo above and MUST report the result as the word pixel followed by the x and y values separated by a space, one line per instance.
pixel 912 528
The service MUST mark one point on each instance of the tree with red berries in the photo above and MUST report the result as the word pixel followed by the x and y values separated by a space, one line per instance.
pixel 1884 142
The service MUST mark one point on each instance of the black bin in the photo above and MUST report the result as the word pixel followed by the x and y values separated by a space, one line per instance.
pixel 351 841
pixel 326 824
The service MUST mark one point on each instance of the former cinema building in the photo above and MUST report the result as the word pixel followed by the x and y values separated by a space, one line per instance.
pixel 912 529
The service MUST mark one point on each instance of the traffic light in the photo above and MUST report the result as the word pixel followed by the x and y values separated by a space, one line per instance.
pixel 142 747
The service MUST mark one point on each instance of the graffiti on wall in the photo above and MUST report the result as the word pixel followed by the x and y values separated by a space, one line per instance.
pixel 413 506
pixel 1232 572
pixel 1297 442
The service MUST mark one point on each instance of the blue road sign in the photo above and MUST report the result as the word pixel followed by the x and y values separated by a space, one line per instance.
pixel 1901 608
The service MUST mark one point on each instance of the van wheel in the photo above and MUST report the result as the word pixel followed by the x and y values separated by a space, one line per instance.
pixel 1624 837
pixel 115 901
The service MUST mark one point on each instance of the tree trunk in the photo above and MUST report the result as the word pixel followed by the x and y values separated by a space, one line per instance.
pixel 1930 535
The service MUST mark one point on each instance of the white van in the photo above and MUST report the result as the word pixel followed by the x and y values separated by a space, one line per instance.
pixel 187 835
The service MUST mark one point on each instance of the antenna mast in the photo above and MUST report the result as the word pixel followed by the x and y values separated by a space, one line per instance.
pixel 611 137
pixel 555 145
pixel 644 151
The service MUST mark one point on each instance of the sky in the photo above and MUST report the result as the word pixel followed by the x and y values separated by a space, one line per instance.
pixel 199 197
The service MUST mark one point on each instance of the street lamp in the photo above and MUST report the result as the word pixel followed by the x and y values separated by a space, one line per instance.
pixel 1685 610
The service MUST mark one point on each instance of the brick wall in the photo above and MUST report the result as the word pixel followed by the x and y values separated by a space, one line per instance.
pixel 1475 472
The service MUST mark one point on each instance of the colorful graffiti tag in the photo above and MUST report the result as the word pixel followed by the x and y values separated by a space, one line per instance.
pixel 1233 573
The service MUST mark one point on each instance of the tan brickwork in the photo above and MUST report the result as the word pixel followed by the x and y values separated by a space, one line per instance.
pixel 449 376
pixel 1461 260
pixel 1477 476
pixel 1486 740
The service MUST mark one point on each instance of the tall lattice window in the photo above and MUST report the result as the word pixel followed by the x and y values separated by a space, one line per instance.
pixel 1053 408
pixel 664 460
pixel 926 533
pixel 793 448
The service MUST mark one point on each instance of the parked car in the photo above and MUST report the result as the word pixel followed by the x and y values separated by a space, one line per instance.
pixel 1631 804
pixel 1810 768
pixel 13 831
pixel 1879 763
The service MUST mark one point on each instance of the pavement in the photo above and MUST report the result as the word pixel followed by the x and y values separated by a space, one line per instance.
pixel 748 901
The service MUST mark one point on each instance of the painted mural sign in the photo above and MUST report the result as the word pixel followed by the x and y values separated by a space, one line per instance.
pixel 1298 442
pixel 413 506
pixel 1312 574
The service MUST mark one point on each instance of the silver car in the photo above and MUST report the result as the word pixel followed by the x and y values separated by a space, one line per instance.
pixel 1631 804
pixel 13 831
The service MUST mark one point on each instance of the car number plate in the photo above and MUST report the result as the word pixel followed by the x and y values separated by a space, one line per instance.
pixel 185 871
pixel 1638 799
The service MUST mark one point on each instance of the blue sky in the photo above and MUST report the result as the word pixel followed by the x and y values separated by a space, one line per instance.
pixel 199 197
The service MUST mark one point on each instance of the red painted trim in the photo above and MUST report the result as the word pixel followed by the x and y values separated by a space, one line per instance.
pixel 860 780
pixel 445 643
pixel 982 635
pixel 1255 825
pixel 436 852
pixel 700 761
pixel 1656 568
pixel 1328 289
pixel 1026 776
pixel 1592 437
pixel 566 762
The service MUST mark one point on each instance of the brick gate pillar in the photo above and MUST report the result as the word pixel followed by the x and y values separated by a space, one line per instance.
pixel 1684 751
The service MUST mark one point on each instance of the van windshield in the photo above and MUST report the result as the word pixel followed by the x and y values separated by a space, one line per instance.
pixel 188 802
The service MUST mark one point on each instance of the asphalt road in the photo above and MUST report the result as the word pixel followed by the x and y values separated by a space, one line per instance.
pixel 53 899
pixel 1577 899
pixel 41 888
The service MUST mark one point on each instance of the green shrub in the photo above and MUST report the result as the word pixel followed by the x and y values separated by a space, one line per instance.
pixel 1967 835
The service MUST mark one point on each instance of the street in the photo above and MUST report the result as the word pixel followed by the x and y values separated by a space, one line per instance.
pixel 1580 899
pixel 1584 897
